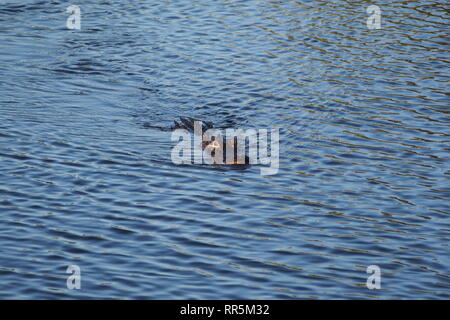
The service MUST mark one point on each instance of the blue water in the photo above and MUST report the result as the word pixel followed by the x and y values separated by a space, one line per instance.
pixel 364 150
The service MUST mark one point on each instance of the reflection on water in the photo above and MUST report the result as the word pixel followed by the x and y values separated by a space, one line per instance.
pixel 364 150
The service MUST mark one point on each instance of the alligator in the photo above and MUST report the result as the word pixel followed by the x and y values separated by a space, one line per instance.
pixel 212 145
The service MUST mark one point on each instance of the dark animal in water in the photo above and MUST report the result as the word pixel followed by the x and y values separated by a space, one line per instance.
pixel 217 145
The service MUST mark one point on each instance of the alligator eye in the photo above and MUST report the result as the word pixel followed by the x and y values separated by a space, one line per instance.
pixel 215 144
pixel 205 144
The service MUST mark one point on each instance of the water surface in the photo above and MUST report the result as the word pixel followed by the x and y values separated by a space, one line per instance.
pixel 364 150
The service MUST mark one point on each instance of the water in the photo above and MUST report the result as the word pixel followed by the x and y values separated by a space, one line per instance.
pixel 364 150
